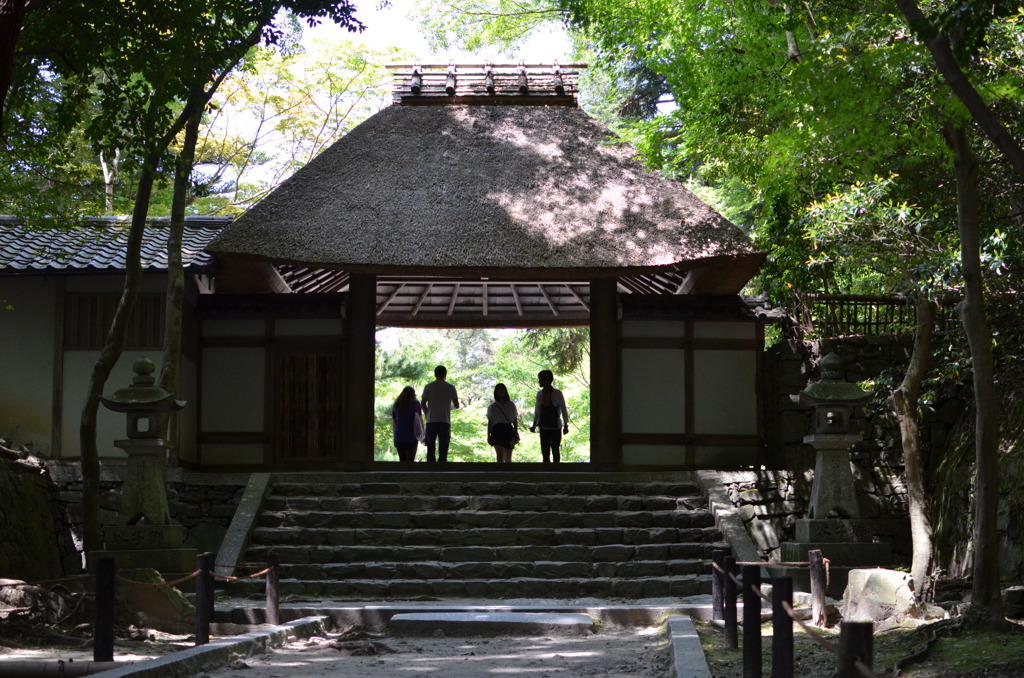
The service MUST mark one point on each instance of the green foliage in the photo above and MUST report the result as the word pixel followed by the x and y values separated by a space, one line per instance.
pixel 114 79
pixel 472 25
pixel 477 360
pixel 278 112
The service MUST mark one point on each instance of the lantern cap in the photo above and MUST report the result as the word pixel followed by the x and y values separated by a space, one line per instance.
pixel 143 394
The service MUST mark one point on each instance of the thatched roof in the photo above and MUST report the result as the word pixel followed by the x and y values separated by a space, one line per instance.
pixel 499 191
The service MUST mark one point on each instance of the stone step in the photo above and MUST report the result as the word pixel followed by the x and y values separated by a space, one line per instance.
pixel 587 554
pixel 483 536
pixel 424 503
pixel 470 624
pixel 496 570
pixel 288 488
pixel 379 589
pixel 458 520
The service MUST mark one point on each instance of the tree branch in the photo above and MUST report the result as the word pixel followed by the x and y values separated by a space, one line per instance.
pixel 949 67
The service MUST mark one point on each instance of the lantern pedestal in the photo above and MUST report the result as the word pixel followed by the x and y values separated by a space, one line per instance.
pixel 832 492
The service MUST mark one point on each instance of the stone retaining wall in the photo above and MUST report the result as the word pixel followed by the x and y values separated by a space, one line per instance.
pixel 202 502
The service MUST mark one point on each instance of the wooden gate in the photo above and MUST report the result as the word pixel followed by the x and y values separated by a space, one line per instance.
pixel 307 404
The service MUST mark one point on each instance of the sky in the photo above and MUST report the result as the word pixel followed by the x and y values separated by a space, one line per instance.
pixel 391 26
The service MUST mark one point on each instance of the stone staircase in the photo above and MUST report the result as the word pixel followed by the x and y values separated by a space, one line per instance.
pixel 494 535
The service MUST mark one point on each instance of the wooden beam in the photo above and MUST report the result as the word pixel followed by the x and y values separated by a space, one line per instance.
pixel 360 350
pixel 423 297
pixel 515 295
pixel 455 297
pixel 391 297
pixel 578 296
pixel 484 293
pixel 605 377
pixel 551 304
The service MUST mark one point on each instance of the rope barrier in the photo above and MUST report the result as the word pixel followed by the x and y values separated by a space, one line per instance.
pixel 228 577
pixel 159 585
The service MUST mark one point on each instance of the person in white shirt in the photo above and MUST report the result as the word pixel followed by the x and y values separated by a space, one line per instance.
pixel 438 399
pixel 502 424
pixel 550 416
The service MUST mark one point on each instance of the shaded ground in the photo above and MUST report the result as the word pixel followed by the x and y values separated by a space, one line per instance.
pixel 953 653
pixel 633 653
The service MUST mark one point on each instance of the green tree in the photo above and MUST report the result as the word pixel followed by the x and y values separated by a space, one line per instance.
pixel 144 74
pixel 477 360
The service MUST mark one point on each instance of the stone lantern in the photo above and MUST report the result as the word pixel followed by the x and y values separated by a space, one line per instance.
pixel 833 400
pixel 144 535
pixel 833 525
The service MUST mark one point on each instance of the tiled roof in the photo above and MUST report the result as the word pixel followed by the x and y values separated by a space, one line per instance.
pixel 100 245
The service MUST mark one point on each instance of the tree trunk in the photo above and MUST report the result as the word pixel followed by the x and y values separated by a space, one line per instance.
pixel 170 372
pixel 948 65
pixel 986 602
pixel 904 401
pixel 112 349
pixel 109 177
pixel 12 18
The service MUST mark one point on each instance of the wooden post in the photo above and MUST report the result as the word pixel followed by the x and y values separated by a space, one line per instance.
pixel 204 597
pixel 782 628
pixel 718 584
pixel 818 585
pixel 605 380
pixel 273 590
pixel 856 645
pixel 360 349
pixel 731 639
pixel 751 575
pixel 103 632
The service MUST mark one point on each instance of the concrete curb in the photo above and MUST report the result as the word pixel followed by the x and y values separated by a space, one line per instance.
pixel 688 659
pixel 191 662
pixel 232 546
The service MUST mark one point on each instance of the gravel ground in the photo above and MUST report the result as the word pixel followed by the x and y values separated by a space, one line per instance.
pixel 632 653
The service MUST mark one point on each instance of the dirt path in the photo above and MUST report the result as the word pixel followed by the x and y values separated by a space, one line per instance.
pixel 630 653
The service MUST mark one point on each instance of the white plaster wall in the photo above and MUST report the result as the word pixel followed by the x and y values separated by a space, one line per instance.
pixel 725 384
pixel 27 335
pixel 652 391
pixel 233 386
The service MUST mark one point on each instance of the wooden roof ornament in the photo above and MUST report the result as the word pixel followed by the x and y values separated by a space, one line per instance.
pixel 487 182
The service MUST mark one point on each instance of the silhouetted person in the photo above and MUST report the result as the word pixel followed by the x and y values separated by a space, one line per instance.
pixel 550 416
pixel 405 415
pixel 502 424
pixel 439 399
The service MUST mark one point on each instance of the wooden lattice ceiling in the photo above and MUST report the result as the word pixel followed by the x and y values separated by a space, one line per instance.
pixel 427 301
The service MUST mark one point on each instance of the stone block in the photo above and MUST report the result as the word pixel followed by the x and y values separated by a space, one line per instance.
pixel 1013 602
pixel 832 530
pixel 597 520
pixel 764 533
pixel 613 553
pixel 877 594
pixel 143 536
pixel 491 624
pixel 840 554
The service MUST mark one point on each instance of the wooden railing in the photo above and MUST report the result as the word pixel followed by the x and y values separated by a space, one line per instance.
pixel 843 315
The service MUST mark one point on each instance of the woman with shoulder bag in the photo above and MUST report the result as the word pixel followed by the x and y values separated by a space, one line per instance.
pixel 502 424
pixel 407 424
